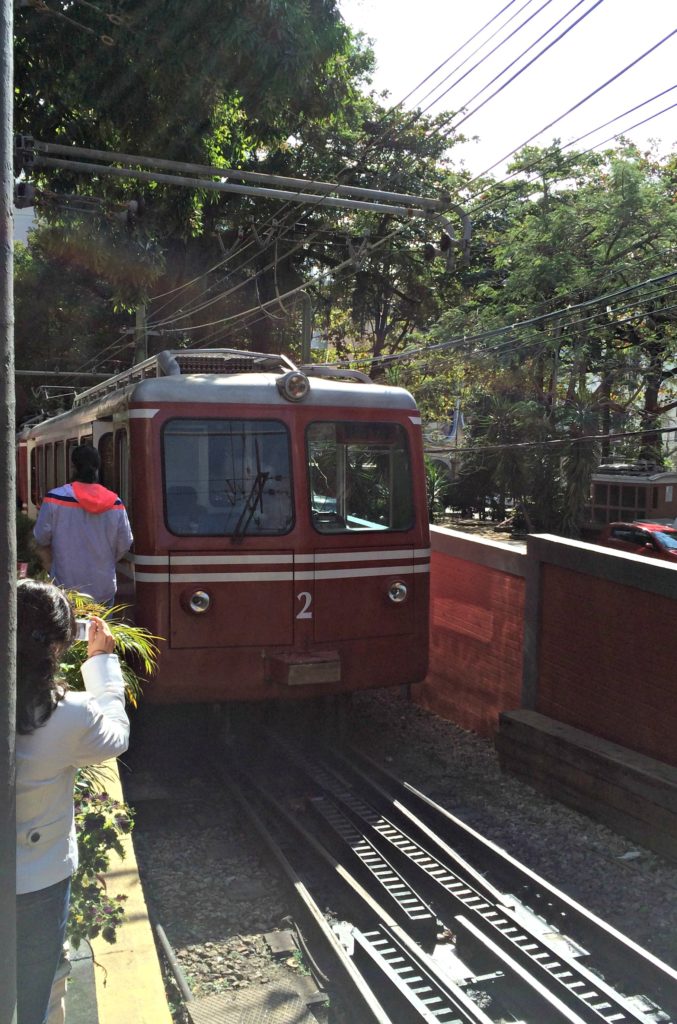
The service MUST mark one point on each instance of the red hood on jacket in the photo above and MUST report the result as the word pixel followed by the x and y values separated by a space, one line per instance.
pixel 94 498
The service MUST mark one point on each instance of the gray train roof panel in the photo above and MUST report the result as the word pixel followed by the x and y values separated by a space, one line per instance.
pixel 261 389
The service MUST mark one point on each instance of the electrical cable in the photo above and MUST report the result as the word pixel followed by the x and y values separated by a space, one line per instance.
pixel 520 324
pixel 580 103
pixel 535 164
pixel 526 66
pixel 555 442
pixel 482 59
pixel 454 54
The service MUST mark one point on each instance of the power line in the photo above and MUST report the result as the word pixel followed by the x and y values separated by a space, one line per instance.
pixel 533 60
pixel 576 105
pixel 552 442
pixel 486 56
pixel 535 164
pixel 456 52
pixel 520 324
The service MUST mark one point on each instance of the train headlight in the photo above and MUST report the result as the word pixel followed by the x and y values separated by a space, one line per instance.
pixel 199 602
pixel 397 592
pixel 294 386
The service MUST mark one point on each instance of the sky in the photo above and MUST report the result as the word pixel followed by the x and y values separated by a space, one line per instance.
pixel 412 37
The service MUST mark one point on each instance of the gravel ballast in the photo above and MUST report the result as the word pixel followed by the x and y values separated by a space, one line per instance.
pixel 211 886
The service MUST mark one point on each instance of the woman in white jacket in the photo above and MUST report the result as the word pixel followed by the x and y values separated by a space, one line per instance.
pixel 57 732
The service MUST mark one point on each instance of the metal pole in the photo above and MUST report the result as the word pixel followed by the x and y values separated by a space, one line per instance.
pixel 307 327
pixel 248 190
pixel 304 184
pixel 86 375
pixel 140 336
pixel 8 534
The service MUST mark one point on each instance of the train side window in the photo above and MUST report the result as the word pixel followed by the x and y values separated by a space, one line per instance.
pixel 49 467
pixel 60 467
pixel 106 453
pixel 360 477
pixel 87 439
pixel 227 477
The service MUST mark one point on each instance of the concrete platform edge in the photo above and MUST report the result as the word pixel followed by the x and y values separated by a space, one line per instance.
pixel 129 983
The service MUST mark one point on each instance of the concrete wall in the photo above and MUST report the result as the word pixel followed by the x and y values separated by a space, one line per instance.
pixel 582 634
pixel 477 590
pixel 604 651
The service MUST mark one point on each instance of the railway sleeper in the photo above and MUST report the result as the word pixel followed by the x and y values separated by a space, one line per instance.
pixel 412 994
pixel 376 874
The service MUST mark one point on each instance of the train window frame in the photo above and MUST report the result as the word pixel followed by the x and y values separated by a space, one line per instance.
pixel 336 520
pixel 50 479
pixel 60 466
pixel 33 471
pixel 71 443
pixel 106 450
pixel 40 474
pixel 196 520
pixel 121 468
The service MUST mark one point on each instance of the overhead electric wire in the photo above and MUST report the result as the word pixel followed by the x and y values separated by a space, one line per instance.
pixel 526 66
pixel 580 103
pixel 173 320
pixel 485 57
pixel 554 442
pixel 454 54
pixel 535 164
pixel 520 324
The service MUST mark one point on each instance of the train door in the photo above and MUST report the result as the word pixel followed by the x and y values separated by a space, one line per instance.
pixel 229 504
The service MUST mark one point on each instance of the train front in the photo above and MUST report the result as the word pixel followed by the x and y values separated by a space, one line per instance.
pixel 281 535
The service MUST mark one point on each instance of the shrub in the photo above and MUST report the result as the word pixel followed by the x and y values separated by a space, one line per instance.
pixel 100 820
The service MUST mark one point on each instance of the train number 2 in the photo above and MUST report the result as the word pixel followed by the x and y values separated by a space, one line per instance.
pixel 307 599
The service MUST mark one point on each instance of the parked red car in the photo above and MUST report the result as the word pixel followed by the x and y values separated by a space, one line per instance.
pixel 652 539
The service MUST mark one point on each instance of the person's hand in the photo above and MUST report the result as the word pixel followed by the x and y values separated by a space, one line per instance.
pixel 100 640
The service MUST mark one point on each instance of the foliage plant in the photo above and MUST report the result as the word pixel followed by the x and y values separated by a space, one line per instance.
pixel 437 488
pixel 135 645
pixel 100 820
pixel 25 549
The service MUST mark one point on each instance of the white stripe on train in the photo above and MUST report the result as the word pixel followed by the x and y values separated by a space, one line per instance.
pixel 280 559
pixel 276 577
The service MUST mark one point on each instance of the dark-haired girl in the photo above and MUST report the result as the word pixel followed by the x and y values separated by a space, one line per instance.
pixel 57 732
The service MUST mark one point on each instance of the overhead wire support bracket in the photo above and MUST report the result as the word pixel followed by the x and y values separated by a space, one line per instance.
pixel 266 186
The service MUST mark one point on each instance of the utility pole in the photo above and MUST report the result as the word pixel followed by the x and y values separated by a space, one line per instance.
pixel 307 313
pixel 8 534
pixel 140 335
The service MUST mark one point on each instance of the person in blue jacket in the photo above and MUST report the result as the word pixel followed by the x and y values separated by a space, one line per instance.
pixel 58 731
pixel 82 530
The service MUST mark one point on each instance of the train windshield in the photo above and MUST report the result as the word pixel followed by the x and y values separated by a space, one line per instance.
pixel 360 477
pixel 227 477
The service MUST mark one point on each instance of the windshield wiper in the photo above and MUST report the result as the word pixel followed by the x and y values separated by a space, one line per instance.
pixel 254 498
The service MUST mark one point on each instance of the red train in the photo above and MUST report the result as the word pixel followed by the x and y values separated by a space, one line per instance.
pixel 280 521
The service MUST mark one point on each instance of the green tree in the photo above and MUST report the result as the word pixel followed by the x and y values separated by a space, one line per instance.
pixel 565 230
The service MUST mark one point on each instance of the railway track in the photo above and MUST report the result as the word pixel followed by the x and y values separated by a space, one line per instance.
pixel 444 926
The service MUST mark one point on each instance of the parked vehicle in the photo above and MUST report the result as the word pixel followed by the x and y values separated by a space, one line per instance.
pixel 655 540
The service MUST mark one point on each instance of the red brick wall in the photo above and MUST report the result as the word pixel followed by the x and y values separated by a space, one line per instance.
pixel 608 660
pixel 476 630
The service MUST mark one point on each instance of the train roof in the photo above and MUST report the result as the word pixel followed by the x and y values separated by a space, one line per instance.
pixel 262 389
pixel 224 377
